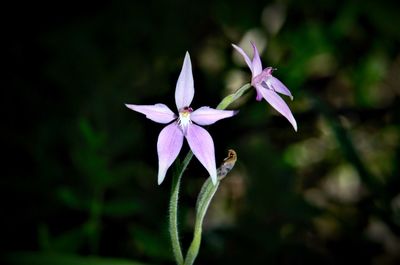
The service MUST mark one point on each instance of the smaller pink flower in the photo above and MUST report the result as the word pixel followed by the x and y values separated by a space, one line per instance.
pixel 184 125
pixel 267 86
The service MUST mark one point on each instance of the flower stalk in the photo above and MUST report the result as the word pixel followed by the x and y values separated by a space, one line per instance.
pixel 206 189
pixel 233 97
pixel 173 209
pixel 187 124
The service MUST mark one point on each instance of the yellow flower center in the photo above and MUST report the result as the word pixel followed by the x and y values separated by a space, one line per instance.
pixel 184 117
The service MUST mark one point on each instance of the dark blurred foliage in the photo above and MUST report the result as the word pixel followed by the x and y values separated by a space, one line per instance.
pixel 80 168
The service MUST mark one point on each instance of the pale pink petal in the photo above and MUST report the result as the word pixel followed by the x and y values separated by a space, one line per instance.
pixel 277 103
pixel 259 95
pixel 159 112
pixel 207 115
pixel 256 64
pixel 278 86
pixel 169 144
pixel 246 58
pixel 184 91
pixel 202 146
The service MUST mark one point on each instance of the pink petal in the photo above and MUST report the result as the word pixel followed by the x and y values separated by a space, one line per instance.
pixel 207 115
pixel 159 112
pixel 256 64
pixel 259 95
pixel 277 103
pixel 169 144
pixel 184 91
pixel 246 58
pixel 278 86
pixel 202 145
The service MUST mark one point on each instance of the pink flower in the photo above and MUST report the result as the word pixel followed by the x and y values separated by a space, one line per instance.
pixel 184 125
pixel 268 86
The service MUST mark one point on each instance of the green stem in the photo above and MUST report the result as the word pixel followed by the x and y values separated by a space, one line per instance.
pixel 173 209
pixel 206 194
pixel 233 97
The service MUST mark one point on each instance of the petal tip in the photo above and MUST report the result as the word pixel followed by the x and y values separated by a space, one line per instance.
pixel 130 106
pixel 187 55
pixel 294 124
pixel 292 121
pixel 160 178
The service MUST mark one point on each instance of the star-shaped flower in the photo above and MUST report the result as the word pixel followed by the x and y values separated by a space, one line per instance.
pixel 267 86
pixel 184 125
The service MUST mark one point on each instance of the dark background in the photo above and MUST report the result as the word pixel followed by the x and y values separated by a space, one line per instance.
pixel 80 169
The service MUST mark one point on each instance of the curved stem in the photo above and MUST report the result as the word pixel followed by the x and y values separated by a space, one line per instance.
pixel 208 190
pixel 173 205
pixel 233 97
pixel 206 194
pixel 173 209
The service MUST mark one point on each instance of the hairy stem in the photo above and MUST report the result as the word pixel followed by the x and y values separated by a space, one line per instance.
pixel 173 205
pixel 173 209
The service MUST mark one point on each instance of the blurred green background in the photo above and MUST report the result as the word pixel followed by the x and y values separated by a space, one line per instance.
pixel 79 185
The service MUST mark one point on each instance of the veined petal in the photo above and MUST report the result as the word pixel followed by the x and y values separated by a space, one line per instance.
pixel 159 112
pixel 278 86
pixel 207 115
pixel 279 104
pixel 184 91
pixel 169 144
pixel 256 64
pixel 246 58
pixel 202 145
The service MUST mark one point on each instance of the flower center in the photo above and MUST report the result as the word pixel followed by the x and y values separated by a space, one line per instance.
pixel 262 77
pixel 184 117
